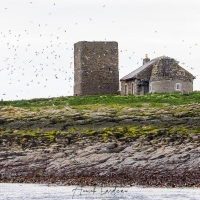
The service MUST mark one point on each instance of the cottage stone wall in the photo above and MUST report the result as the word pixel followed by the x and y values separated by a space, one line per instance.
pixel 170 86
pixel 96 68
pixel 123 88
pixel 133 91
pixel 144 75
pixel 166 73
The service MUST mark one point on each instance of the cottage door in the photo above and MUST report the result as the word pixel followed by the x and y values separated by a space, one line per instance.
pixel 146 89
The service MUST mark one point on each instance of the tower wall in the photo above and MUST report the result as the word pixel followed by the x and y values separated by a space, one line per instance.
pixel 96 68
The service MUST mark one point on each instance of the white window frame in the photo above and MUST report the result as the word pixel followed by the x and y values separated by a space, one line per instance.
pixel 178 86
pixel 150 88
pixel 182 72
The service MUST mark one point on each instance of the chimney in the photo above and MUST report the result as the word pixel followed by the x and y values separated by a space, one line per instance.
pixel 146 59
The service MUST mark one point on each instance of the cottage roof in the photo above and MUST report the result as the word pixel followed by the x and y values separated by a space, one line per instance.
pixel 134 73
pixel 138 70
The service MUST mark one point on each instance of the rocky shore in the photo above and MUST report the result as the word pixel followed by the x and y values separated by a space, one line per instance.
pixel 106 146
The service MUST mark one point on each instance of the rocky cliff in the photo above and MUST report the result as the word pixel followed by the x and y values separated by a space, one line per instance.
pixel 102 145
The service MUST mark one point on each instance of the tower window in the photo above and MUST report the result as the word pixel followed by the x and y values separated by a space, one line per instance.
pixel 109 69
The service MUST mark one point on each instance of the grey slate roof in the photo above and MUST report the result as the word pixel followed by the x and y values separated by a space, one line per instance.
pixel 138 70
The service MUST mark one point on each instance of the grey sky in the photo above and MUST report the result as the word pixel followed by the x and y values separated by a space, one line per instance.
pixel 37 37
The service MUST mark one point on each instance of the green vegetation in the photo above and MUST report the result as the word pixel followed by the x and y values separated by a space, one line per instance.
pixel 146 133
pixel 100 118
pixel 149 100
pixel 149 132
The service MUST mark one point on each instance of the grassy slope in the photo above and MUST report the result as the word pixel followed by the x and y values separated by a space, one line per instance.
pixel 152 100
pixel 151 133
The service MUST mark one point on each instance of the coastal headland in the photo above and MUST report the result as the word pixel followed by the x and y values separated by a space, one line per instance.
pixel 151 140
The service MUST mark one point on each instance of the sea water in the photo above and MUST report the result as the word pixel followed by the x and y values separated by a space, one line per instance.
pixel 12 191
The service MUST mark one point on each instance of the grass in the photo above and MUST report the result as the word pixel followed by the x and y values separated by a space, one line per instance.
pixel 150 100
pixel 26 138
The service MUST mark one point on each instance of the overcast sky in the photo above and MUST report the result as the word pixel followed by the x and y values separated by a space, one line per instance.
pixel 37 38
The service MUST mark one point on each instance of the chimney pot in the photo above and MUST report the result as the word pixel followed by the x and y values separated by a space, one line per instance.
pixel 146 59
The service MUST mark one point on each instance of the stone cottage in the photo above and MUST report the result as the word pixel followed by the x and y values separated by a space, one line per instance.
pixel 162 74
pixel 96 68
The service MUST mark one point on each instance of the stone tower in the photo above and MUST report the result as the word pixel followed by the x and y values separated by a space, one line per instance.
pixel 96 68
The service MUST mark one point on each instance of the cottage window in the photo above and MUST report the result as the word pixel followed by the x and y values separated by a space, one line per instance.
pixel 126 89
pixel 150 88
pixel 178 86
pixel 182 73
pixel 132 88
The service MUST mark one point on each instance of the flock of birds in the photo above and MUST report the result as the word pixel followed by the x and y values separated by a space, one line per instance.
pixel 25 63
